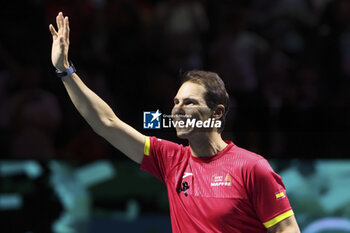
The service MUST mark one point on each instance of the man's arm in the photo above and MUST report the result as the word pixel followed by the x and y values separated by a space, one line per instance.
pixel 95 111
pixel 288 225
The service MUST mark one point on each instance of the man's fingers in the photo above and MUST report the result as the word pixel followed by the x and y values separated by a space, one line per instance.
pixel 61 19
pixel 66 29
pixel 63 28
pixel 59 22
pixel 53 32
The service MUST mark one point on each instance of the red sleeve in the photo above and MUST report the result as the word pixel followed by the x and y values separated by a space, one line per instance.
pixel 161 157
pixel 268 194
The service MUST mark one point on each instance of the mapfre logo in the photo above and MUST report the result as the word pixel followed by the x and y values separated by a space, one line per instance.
pixel 218 180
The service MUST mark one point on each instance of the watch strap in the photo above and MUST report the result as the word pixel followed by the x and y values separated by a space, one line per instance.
pixel 67 72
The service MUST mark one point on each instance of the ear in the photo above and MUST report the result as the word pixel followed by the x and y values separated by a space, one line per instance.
pixel 219 111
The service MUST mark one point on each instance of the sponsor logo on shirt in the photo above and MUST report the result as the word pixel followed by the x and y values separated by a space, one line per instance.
pixel 217 180
pixel 187 174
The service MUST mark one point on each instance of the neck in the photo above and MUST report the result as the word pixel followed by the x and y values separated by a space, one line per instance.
pixel 206 145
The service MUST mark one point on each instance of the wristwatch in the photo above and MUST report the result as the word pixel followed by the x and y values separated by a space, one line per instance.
pixel 67 72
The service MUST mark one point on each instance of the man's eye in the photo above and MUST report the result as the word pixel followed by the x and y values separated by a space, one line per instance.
pixel 189 103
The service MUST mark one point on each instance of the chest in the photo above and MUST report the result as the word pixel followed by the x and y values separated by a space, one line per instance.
pixel 213 191
pixel 210 180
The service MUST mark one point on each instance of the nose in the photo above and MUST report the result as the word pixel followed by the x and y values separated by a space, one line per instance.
pixel 178 110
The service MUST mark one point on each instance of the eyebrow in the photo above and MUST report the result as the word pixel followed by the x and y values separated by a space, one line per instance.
pixel 187 99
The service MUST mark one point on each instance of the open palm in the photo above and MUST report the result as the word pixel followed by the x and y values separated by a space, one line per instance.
pixel 60 43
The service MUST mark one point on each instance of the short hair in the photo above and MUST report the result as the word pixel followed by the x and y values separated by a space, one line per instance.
pixel 215 91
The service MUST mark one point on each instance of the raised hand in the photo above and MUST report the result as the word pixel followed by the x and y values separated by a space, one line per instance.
pixel 60 43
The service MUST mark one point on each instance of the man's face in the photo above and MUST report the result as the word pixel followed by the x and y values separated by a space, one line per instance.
pixel 189 103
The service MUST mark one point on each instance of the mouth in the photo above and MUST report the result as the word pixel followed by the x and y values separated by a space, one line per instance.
pixel 182 124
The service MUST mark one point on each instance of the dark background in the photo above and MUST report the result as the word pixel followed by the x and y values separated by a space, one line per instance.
pixel 286 68
pixel 286 65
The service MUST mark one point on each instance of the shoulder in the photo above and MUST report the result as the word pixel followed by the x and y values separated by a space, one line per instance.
pixel 248 158
pixel 166 147
pixel 164 143
pixel 250 163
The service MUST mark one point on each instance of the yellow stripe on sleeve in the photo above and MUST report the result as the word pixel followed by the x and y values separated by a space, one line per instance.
pixel 147 147
pixel 279 218
pixel 279 195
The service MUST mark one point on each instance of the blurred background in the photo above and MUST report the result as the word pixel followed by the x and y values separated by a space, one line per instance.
pixel 286 65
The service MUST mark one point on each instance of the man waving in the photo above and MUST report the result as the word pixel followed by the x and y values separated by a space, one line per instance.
pixel 213 185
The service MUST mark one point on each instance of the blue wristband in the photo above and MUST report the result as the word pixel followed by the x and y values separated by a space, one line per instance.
pixel 67 72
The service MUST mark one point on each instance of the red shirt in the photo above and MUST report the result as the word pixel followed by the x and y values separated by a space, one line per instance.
pixel 232 191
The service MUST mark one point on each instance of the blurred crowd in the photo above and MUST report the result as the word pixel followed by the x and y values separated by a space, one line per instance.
pixel 286 65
